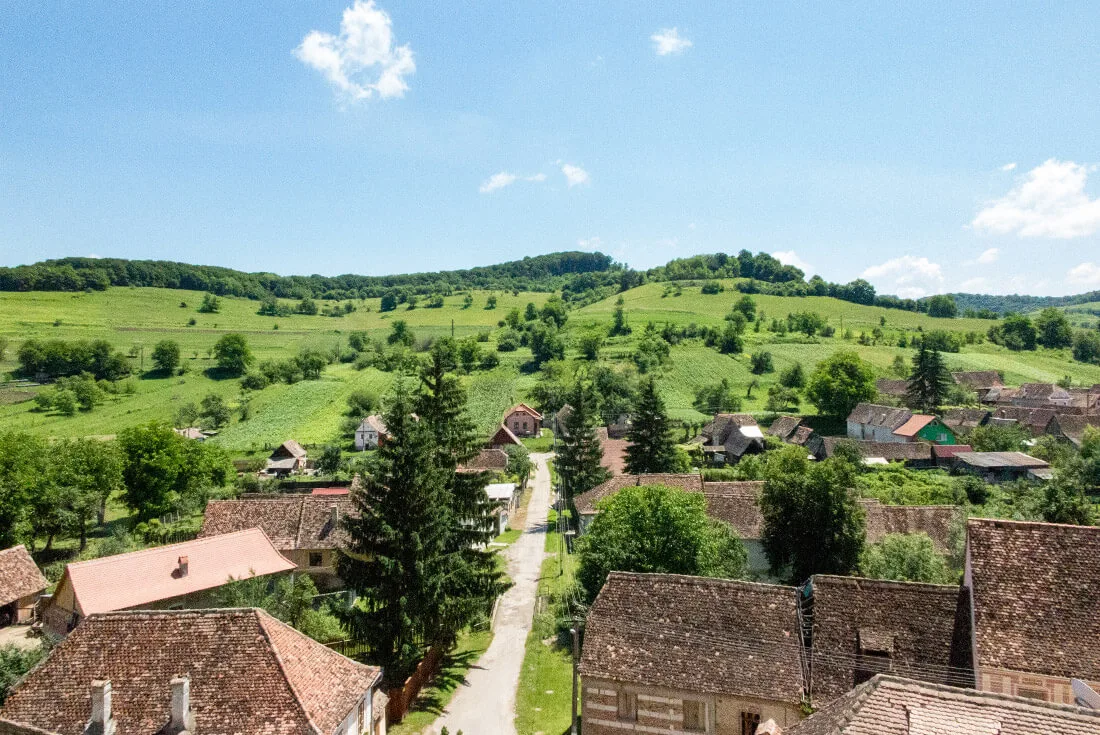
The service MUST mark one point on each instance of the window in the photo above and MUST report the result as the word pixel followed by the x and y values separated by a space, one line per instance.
pixel 695 715
pixel 749 722
pixel 315 559
pixel 628 706
pixel 525 426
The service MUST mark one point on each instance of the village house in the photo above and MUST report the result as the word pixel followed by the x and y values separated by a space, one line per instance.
pixel 505 498
pixel 730 436
pixel 21 584
pixel 522 420
pixel 997 467
pixel 487 460
pixel 864 627
pixel 1072 428
pixel 894 390
pixel 177 576
pixel 889 705
pixel 306 529
pixel 978 379
pixel 370 433
pixel 1033 420
pixel 962 421
pixel 1041 395
pixel 288 458
pixel 873 422
pixel 196 671
pixel 504 438
pixel 916 455
pixel 1035 591
pixel 791 430
pixel 671 653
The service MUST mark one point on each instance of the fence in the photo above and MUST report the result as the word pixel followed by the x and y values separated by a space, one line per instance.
pixel 401 699
pixel 348 648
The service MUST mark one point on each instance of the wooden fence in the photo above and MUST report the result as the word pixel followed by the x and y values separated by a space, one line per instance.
pixel 402 698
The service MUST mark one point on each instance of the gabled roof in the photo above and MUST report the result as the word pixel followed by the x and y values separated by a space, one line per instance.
pixel 913 625
pixel 892 388
pixel 374 422
pixel 696 634
pixel 19 575
pixel 614 451
pixel 1035 419
pixel 979 379
pixel 1042 392
pixel 935 521
pixel 486 461
pixel 150 575
pixel 738 505
pixel 887 705
pixel 249 673
pixel 965 419
pixel 872 414
pixel 891 451
pixel 719 429
pixel 523 408
pixel 1000 460
pixel 504 435
pixel 290 521
pixel 1073 427
pixel 785 426
pixel 586 502
pixel 289 448
pixel 1036 592
pixel 915 423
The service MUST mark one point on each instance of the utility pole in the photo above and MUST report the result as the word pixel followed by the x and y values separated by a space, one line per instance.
pixel 576 657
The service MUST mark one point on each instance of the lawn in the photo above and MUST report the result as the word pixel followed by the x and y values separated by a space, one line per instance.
pixel 546 679
pixel 540 444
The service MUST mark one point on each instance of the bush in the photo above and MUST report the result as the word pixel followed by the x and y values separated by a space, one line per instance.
pixel 713 287
pixel 761 362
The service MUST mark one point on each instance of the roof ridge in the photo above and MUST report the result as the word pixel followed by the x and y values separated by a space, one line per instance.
pixel 953 588
pixel 1037 524
pixel 702 580
pixel 286 677
pixel 192 542
pixel 981 694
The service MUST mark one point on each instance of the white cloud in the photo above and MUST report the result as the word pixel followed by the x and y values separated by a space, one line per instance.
pixel 1050 201
pixel 668 41
pixel 362 60
pixel 908 276
pixel 1009 166
pixel 589 243
pixel 574 174
pixel 1085 274
pixel 989 256
pixel 790 257
pixel 504 178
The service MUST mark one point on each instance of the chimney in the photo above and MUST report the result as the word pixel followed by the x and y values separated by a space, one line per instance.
pixel 182 719
pixel 183 566
pixel 102 722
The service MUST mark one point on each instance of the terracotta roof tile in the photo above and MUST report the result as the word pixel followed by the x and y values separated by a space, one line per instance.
pixel 249 673
pixel 1036 591
pixel 586 502
pixel 143 577
pixel 873 414
pixel 291 521
pixel 696 634
pixel 915 423
pixel 19 575
pixel 888 705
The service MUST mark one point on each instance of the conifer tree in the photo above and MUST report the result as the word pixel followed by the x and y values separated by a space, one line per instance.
pixel 473 580
pixel 929 381
pixel 395 558
pixel 651 447
pixel 580 454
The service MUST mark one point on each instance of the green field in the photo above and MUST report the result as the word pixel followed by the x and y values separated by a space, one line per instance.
pixel 135 319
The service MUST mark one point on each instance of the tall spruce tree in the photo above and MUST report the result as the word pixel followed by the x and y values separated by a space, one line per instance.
pixel 396 555
pixel 651 447
pixel 929 381
pixel 473 580
pixel 580 454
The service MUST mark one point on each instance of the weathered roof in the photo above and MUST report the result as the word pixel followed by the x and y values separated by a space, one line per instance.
pixel 965 419
pixel 586 502
pixel 696 634
pixel 523 408
pixel 785 426
pixel 486 460
pixel 1000 460
pixel 872 414
pixel 614 451
pixel 947 451
pixel 249 673
pixel 718 430
pixel 892 388
pixel 888 705
pixel 801 436
pixel 1073 427
pixel 504 435
pixel 1035 419
pixel 915 423
pixel 1036 592
pixel 915 624
pixel 143 577
pixel 19 575
pixel 374 422
pixel 936 521
pixel 500 490
pixel 979 379
pixel 290 521
pixel 741 510
pixel 1042 392
pixel 289 448
pixel 893 451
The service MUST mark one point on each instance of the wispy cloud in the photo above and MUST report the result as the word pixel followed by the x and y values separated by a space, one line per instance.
pixel 908 276
pixel 988 256
pixel 1050 201
pixel 504 178
pixel 668 41
pixel 1085 274
pixel 1009 166
pixel 574 174
pixel 790 257
pixel 589 243
pixel 361 60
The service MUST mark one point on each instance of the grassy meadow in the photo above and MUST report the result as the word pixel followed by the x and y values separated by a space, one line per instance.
pixel 135 319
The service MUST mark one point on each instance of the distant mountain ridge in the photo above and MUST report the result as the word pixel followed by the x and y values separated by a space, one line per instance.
pixel 1017 302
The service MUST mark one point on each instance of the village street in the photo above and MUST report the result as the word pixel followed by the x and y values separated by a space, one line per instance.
pixel 485 703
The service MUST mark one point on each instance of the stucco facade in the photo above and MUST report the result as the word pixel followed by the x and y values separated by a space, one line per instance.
pixel 650 709
pixel 1054 689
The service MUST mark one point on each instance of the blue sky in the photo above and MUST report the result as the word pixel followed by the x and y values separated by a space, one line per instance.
pixel 935 147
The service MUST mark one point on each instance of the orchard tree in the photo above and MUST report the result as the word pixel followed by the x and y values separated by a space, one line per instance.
pixel 1053 329
pixel 232 353
pixel 839 382
pixel 166 356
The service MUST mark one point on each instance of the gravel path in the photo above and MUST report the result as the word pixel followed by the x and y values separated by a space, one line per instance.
pixel 485 702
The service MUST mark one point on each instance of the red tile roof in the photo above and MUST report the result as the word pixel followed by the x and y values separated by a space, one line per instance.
pixel 249 674
pixel 19 575
pixel 290 521
pixel 915 423
pixel 147 576
pixel 523 408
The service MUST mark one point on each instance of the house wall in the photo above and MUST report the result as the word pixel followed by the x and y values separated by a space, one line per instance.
pixel 517 420
pixel 366 439
pixel 857 430
pixel 324 576
pixel 661 710
pixel 937 433
pixel 1019 683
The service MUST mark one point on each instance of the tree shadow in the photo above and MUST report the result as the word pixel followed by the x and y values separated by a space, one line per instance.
pixel 435 696
pixel 220 373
